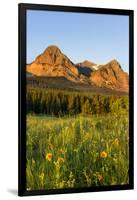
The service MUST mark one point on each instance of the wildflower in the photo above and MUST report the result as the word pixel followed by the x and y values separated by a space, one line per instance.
pixel 61 184
pixel 116 142
pixel 41 176
pixel 62 151
pixel 100 177
pixel 33 162
pixel 114 159
pixel 60 160
pixel 49 156
pixel 75 150
pixel 103 154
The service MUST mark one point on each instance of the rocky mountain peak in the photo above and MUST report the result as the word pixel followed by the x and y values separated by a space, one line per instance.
pixel 52 62
pixel 111 75
pixel 52 56
pixel 114 64
pixel 52 51
pixel 88 63
pixel 52 48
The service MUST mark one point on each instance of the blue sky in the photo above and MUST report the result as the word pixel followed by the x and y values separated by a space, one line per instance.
pixel 96 37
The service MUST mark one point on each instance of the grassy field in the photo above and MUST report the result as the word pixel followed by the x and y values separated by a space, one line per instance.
pixel 79 151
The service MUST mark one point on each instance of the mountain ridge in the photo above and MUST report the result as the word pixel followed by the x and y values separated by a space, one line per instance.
pixel 53 63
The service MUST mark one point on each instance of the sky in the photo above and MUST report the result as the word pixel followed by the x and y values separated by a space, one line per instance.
pixel 81 36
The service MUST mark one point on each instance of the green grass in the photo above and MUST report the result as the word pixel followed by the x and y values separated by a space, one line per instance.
pixel 75 145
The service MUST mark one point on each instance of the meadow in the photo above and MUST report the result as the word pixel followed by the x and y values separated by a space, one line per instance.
pixel 77 151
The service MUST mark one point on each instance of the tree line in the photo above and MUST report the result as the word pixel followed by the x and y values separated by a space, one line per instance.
pixel 60 103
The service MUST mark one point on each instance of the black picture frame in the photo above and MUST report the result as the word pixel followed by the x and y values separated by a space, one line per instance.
pixel 22 8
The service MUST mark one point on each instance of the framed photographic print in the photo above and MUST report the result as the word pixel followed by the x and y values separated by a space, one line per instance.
pixel 75 99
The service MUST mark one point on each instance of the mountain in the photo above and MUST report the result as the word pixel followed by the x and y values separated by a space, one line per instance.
pixel 89 64
pixel 111 76
pixel 86 63
pixel 87 67
pixel 52 62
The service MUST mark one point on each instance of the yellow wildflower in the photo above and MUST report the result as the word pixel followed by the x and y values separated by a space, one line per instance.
pixel 103 154
pixel 49 156
pixel 100 177
pixel 41 175
pixel 61 184
pixel 60 160
pixel 116 142
pixel 33 161
pixel 62 151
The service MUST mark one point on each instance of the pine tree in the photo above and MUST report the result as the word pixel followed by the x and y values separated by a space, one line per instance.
pixel 86 108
